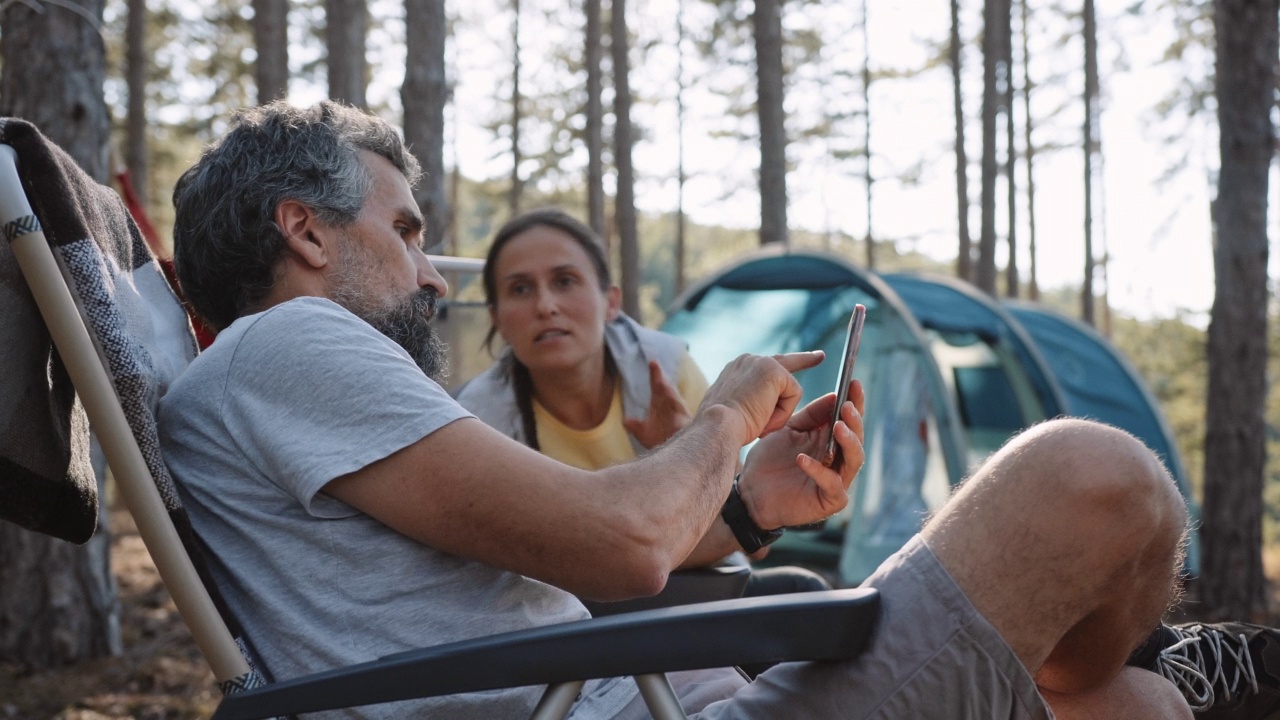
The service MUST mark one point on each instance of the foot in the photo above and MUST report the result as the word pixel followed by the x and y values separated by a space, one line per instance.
pixel 1224 670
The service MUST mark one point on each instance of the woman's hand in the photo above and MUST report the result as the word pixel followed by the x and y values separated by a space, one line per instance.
pixel 667 415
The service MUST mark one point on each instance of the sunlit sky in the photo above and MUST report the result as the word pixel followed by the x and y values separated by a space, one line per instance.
pixel 1156 233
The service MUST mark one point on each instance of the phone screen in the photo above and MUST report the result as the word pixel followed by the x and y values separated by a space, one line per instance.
pixel 831 456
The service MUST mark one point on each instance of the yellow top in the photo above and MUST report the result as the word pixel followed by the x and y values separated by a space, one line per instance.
pixel 608 443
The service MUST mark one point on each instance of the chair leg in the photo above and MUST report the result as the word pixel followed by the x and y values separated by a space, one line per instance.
pixel 660 697
pixel 556 701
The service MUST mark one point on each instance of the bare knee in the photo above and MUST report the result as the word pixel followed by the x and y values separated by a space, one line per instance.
pixel 1081 472
pixel 1103 473
pixel 1134 694
pixel 1096 494
pixel 1068 540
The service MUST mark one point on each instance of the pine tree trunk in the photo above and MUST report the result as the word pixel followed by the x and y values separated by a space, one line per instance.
pixel 1090 125
pixel 516 189
pixel 423 95
pixel 984 274
pixel 1033 286
pixel 964 254
pixel 59 606
pixel 595 120
pixel 346 24
pixel 271 38
pixel 58 603
pixel 1235 434
pixel 767 21
pixel 1010 154
pixel 625 204
pixel 135 145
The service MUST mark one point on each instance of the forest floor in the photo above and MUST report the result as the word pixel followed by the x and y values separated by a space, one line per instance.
pixel 161 675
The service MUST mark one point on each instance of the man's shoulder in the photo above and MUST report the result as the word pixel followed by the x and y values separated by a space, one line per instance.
pixel 263 338
pixel 300 321
pixel 296 314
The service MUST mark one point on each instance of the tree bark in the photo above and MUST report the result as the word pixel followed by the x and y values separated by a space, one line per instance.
pixel 1090 126
pixel 517 185
pixel 595 120
pixel 423 95
pixel 346 26
pixel 1033 286
pixel 767 21
pixel 1235 433
pixel 59 603
pixel 625 204
pixel 964 254
pixel 53 70
pixel 135 145
pixel 984 275
pixel 1010 156
pixel 271 38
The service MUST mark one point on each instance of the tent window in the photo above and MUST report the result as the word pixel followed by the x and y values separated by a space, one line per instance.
pixel 987 399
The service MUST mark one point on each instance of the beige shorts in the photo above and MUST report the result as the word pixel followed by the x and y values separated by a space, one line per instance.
pixel 932 656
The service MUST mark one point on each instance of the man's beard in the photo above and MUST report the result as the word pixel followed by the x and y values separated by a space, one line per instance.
pixel 406 321
pixel 408 324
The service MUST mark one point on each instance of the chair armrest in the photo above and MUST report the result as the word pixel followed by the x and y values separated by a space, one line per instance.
pixel 830 625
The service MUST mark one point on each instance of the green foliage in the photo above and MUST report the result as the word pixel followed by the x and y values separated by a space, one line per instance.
pixel 1169 353
pixel 201 71
pixel 1271 482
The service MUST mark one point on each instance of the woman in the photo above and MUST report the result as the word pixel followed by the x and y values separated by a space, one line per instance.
pixel 580 381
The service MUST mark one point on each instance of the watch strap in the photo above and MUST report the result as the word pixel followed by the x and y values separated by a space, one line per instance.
pixel 748 534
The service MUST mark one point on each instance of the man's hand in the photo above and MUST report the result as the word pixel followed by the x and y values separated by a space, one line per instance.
pixel 761 390
pixel 782 482
pixel 667 415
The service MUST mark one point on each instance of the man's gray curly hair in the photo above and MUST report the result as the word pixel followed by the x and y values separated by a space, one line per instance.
pixel 226 242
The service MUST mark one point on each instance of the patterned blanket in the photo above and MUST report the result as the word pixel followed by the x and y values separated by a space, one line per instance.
pixel 141 332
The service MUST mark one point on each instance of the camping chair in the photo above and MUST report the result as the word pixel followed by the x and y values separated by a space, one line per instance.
pixel 83 259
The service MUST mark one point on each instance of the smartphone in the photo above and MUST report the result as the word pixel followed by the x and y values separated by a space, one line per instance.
pixel 853 337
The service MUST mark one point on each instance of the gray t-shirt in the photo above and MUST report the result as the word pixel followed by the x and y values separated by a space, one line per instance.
pixel 282 403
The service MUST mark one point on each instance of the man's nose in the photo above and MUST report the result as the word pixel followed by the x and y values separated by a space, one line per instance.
pixel 428 276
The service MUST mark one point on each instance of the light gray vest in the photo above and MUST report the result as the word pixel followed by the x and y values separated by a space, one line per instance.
pixel 491 395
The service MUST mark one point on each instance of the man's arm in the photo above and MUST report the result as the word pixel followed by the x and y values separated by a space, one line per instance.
pixel 613 534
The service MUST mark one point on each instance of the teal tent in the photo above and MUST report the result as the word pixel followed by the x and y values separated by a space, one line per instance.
pixel 773 302
pixel 996 375
pixel 950 376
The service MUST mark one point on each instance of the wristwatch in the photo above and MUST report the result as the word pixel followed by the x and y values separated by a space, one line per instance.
pixel 748 534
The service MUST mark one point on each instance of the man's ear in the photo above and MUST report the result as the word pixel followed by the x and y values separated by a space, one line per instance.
pixel 303 234
pixel 614 298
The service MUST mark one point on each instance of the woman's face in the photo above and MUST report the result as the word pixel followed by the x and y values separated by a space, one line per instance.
pixel 548 305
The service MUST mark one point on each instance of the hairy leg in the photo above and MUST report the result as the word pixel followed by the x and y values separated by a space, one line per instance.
pixel 1068 541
